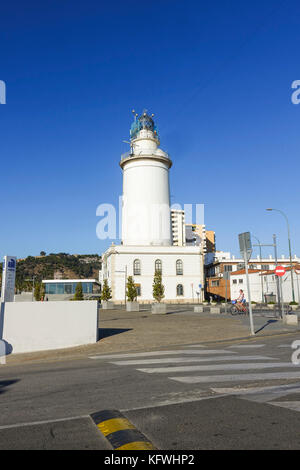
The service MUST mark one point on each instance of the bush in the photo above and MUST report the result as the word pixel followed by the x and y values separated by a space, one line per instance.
pixel 78 292
pixel 106 291
pixel 293 303
pixel 131 291
pixel 158 288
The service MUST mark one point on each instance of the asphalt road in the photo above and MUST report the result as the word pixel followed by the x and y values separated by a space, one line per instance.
pixel 229 395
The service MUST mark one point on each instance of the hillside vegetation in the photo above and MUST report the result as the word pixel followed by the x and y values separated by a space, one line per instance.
pixel 66 265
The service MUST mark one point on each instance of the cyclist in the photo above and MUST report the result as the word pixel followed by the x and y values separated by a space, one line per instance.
pixel 241 301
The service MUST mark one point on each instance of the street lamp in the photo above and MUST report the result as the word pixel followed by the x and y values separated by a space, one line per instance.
pixel 261 276
pixel 290 250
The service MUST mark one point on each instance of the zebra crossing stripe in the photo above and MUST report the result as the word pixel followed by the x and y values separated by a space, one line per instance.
pixel 213 367
pixel 164 353
pixel 292 405
pixel 177 360
pixel 237 377
pixel 275 389
pixel 244 346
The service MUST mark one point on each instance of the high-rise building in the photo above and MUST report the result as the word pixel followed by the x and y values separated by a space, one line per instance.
pixel 178 227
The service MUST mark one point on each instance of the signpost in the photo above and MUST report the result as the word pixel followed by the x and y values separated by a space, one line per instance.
pixel 8 279
pixel 274 244
pixel 280 271
pixel 226 277
pixel 246 252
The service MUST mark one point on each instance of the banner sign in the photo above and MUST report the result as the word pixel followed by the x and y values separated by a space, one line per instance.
pixel 8 279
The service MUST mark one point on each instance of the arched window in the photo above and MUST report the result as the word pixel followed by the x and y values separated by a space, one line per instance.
pixel 136 267
pixel 179 289
pixel 179 267
pixel 158 265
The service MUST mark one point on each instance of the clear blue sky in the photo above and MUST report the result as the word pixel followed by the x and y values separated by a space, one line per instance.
pixel 218 77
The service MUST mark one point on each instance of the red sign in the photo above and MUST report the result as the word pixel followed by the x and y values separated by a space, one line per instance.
pixel 280 271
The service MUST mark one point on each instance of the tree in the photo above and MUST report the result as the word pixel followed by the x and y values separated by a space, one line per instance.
pixel 37 291
pixel 78 292
pixel 42 291
pixel 158 287
pixel 42 253
pixel 131 291
pixel 106 291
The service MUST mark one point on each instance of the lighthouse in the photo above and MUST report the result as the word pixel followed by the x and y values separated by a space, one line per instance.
pixel 146 217
pixel 147 244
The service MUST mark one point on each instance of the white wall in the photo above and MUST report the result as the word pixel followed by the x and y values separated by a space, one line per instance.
pixel 38 326
pixel 269 286
pixel 191 278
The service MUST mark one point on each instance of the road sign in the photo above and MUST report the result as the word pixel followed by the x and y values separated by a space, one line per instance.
pixel 8 279
pixel 280 271
pixel 245 244
pixel 246 251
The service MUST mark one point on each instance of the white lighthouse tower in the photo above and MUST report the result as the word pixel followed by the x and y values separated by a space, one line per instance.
pixel 146 195
pixel 147 245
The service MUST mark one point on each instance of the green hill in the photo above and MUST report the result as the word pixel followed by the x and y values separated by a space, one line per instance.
pixel 64 265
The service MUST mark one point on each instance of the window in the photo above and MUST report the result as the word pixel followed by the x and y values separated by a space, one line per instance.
pixel 138 290
pixel 253 266
pixel 265 267
pixel 240 281
pixel 136 267
pixel 68 288
pixel 234 281
pixel 158 265
pixel 179 289
pixel 227 268
pixel 179 267
pixel 214 283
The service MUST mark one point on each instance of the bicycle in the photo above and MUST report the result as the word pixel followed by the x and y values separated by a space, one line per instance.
pixel 237 309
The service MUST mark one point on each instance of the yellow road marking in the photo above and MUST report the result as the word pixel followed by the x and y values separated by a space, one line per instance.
pixel 138 445
pixel 116 424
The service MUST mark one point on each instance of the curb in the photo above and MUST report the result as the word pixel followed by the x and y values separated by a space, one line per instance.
pixel 120 432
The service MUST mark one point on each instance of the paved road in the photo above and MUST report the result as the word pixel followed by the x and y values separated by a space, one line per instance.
pixel 230 395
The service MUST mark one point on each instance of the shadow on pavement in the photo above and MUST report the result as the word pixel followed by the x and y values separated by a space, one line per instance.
pixel 6 383
pixel 265 325
pixel 106 332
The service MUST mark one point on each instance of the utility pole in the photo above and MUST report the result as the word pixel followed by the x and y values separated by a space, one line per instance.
pixel 290 249
pixel 246 251
pixel 274 245
pixel 31 280
pixel 262 280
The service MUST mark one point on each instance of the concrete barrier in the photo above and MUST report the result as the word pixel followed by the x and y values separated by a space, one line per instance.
pixel 39 326
pixel 199 309
pixel 215 309
pixel 159 309
pixel 107 305
pixel 290 320
pixel 132 307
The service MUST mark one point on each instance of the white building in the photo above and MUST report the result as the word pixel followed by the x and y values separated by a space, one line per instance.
pixel 147 242
pixel 178 227
pixel 265 282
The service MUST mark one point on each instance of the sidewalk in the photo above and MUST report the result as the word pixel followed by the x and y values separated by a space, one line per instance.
pixel 121 331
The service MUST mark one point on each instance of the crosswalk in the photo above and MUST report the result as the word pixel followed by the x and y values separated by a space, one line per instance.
pixel 237 364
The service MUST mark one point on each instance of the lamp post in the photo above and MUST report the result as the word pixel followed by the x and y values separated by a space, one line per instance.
pixel 261 276
pixel 31 280
pixel 290 250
